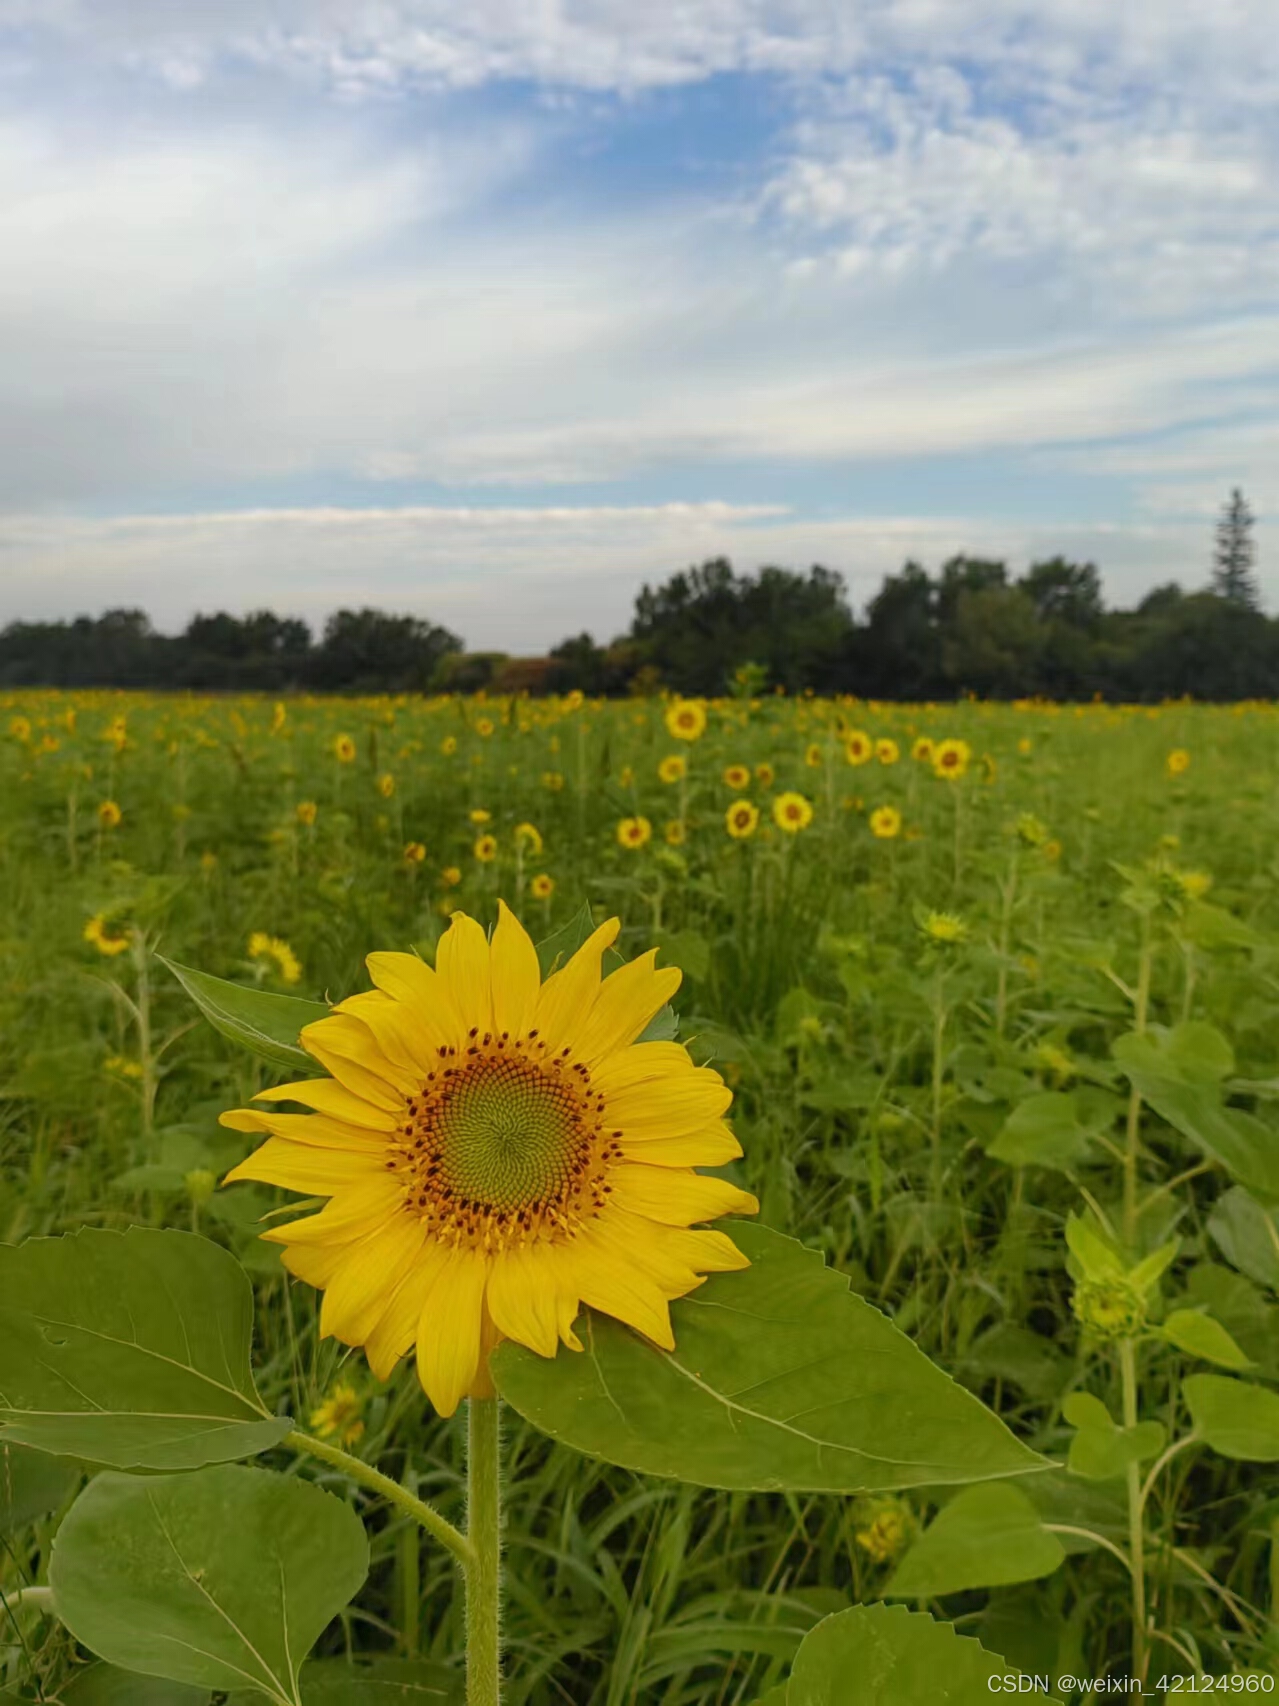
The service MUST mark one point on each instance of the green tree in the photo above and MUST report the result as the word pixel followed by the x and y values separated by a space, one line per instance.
pixel 1232 576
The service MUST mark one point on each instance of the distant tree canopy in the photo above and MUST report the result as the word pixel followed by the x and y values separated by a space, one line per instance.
pixel 971 628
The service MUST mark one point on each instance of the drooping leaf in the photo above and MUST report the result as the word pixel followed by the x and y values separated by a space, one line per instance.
pixel 130 1349
pixel 1234 1417
pixel 880 1655
pixel 987 1536
pixel 1102 1450
pixel 265 1024
pixel 1182 1087
pixel 31 1484
pixel 223 1578
pixel 107 1685
pixel 1196 1333
pixel 780 1378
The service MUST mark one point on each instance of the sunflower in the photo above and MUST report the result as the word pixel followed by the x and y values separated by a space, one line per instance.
pixel 792 812
pixel 414 853
pixel 885 823
pixel 109 814
pixel 764 774
pixel 1178 761
pixel 386 784
pixel 528 835
pixel 480 816
pixel 922 750
pixel 675 832
pixel 265 948
pixel 340 1414
pixel 686 719
pixel 484 727
pixel 634 831
pixel 813 756
pixel 737 776
pixel 673 768
pixel 448 746
pixel 541 887
pixel 886 750
pixel 305 812
pixel 98 931
pixel 951 758
pixel 741 819
pixel 859 748
pixel 497 1152
pixel 946 929
pixel 485 849
pixel 344 749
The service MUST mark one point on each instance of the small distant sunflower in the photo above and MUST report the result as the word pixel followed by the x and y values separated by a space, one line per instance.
pixel 946 929
pixel 792 812
pixel 765 775
pixel 484 727
pixel 675 832
pixel 859 748
pixel 340 1414
pixel 574 701
pixel 448 746
pixel 951 759
pixel 922 750
pixel 813 756
pixel 686 719
pixel 634 832
pixel 887 750
pixel 541 887
pixel 553 781
pixel 673 768
pixel 485 849
pixel 741 819
pixel 99 932
pixel 305 812
pixel 479 815
pixel 20 728
pixel 529 835
pixel 344 749
pixel 497 1152
pixel 885 823
pixel 264 948
pixel 386 784
pixel 414 853
pixel 737 776
pixel 109 814
pixel 1178 761
pixel 450 876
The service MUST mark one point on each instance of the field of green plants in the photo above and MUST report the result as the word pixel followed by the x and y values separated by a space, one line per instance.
pixel 996 990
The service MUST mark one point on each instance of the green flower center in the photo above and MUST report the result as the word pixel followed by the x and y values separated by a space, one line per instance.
pixel 508 1136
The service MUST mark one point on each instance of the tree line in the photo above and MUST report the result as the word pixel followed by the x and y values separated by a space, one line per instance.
pixel 970 628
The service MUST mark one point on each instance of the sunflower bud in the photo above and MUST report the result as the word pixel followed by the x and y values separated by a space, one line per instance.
pixel 1110 1308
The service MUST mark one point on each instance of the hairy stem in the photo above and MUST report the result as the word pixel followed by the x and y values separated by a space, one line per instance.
pixel 484 1573
pixel 431 1520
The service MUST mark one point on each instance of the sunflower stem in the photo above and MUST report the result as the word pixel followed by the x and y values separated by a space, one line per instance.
pixel 431 1520
pixel 484 1573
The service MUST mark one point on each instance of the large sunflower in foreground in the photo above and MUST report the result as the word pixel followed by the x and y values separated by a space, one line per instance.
pixel 498 1151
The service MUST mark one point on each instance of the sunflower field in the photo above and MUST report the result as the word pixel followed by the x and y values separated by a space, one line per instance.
pixel 870 1298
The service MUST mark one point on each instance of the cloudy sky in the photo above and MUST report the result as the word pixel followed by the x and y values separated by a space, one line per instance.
pixel 491 311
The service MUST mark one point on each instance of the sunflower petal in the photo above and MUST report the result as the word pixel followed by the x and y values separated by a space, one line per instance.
pixel 299 1167
pixel 326 1097
pixel 396 1333
pixel 711 1147
pixel 607 1281
pixel 641 1063
pixel 347 1048
pixel 674 1197
pixel 316 1129
pixel 462 960
pixel 360 1289
pixel 410 981
pixel 407 1033
pixel 626 1002
pixel 521 1299
pixel 448 1334
pixel 516 978
pixel 668 1107
pixel 568 994
pixel 360 1209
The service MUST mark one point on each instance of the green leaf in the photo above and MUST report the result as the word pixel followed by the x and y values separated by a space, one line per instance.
pixel 687 949
pixel 774 1697
pixel 1095 1256
pixel 663 1027
pixel 372 1682
pixel 265 1024
pixel 881 1655
pixel 987 1536
pixel 556 949
pixel 107 1685
pixel 129 1348
pixel 224 1578
pixel 1179 1083
pixel 1233 1417
pixel 1247 1236
pixel 1200 1336
pixel 1101 1450
pixel 31 1484
pixel 1199 1052
pixel 780 1378
pixel 1210 926
pixel 1045 1130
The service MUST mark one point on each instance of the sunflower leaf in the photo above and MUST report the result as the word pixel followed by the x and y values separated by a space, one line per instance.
pixel 265 1024
pixel 129 1349
pixel 781 1378
pixel 221 1579
pixel 559 947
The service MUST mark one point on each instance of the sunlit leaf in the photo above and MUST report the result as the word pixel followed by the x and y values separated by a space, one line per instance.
pixel 987 1536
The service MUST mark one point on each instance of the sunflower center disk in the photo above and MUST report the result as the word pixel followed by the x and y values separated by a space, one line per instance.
pixel 499 1148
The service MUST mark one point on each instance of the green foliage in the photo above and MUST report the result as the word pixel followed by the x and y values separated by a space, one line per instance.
pixel 107 1685
pixel 31 1484
pixel 267 1025
pixel 781 1378
pixel 891 1657
pixel 129 1349
pixel 987 1536
pixel 221 1579
pixel 1234 1418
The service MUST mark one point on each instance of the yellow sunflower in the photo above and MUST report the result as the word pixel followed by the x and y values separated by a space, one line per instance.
pixel 344 749
pixel 485 849
pixel 792 812
pixel 741 819
pixel 858 747
pixel 1178 761
pixel 542 886
pixel 922 750
pixel 885 823
pixel 497 1152
pixel 673 767
pixel 109 814
pixel 634 831
pixel 951 759
pixel 886 750
pixel 737 776
pixel 305 811
pixel 686 719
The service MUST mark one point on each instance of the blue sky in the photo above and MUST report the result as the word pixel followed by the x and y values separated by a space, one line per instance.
pixel 494 312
